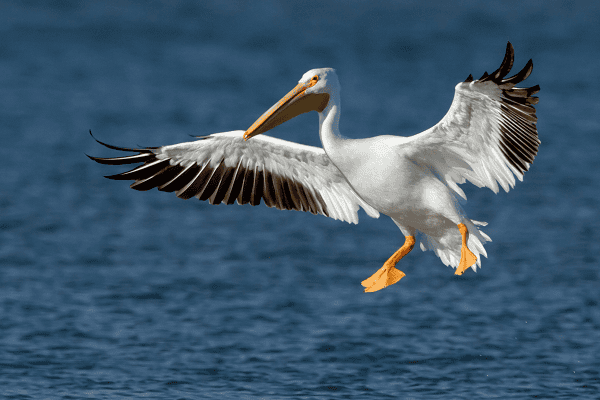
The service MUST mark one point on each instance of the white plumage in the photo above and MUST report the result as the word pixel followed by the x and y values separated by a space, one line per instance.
pixel 487 137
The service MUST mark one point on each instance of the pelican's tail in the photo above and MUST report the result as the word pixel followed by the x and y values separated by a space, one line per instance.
pixel 448 246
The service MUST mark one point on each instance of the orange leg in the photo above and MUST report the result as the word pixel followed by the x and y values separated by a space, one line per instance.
pixel 467 258
pixel 388 274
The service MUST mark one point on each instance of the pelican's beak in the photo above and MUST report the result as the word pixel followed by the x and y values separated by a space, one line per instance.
pixel 291 105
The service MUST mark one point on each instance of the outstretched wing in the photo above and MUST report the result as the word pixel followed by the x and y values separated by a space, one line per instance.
pixel 488 136
pixel 225 168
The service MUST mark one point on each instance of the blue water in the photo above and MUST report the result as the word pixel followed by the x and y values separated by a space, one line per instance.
pixel 106 292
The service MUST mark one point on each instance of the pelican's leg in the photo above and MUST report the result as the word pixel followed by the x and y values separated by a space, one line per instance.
pixel 388 274
pixel 467 258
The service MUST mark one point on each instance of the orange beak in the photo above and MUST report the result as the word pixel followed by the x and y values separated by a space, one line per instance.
pixel 291 105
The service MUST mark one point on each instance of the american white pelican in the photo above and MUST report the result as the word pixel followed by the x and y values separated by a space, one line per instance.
pixel 487 137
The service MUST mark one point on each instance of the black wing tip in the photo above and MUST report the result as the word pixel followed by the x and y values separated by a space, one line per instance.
pixel 533 89
pixel 144 154
pixel 521 75
pixel 97 159
pixel 519 140
pixel 116 177
pixel 507 62
pixel 509 48
pixel 498 76
pixel 104 144
pixel 505 66
pixel 110 146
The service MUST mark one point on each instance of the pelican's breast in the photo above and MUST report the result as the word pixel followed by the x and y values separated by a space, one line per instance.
pixel 379 173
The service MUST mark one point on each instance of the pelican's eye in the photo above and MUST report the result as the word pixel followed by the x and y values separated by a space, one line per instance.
pixel 314 79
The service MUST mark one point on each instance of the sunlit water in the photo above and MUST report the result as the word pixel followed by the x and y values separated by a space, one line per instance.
pixel 106 292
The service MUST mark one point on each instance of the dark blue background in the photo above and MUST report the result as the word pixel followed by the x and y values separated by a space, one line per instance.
pixel 107 292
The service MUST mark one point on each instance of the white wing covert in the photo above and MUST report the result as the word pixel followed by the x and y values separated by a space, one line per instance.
pixel 224 168
pixel 488 136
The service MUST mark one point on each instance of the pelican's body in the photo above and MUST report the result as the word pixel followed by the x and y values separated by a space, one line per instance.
pixel 488 137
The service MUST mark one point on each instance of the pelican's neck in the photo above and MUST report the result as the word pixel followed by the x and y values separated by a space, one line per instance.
pixel 329 126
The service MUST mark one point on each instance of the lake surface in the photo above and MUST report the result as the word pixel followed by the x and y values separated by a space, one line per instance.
pixel 106 292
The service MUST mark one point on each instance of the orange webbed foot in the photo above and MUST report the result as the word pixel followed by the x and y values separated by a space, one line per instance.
pixel 467 258
pixel 386 276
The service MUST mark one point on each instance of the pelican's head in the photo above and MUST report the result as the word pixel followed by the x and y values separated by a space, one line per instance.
pixel 311 94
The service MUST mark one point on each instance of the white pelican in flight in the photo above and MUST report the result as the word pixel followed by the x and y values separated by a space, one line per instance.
pixel 488 137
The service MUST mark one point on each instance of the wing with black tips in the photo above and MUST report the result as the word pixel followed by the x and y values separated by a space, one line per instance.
pixel 223 168
pixel 488 136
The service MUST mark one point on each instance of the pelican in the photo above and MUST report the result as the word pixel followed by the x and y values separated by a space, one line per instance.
pixel 488 137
